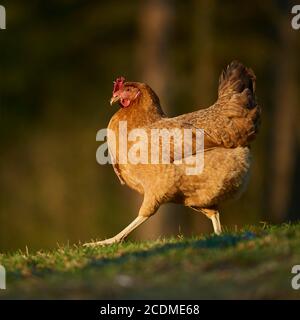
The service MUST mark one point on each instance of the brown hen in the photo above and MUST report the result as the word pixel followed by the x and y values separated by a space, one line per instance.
pixel 229 126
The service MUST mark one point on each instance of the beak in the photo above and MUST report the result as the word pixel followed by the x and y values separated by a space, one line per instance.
pixel 114 99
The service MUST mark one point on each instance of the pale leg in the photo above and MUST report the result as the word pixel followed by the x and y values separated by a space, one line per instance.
pixel 148 208
pixel 121 235
pixel 213 215
pixel 216 223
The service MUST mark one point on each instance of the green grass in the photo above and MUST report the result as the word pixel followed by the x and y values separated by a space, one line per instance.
pixel 253 263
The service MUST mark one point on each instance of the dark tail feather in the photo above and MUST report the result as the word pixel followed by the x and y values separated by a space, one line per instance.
pixel 235 79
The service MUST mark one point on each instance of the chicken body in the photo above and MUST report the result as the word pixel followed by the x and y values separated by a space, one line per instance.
pixel 229 126
pixel 224 174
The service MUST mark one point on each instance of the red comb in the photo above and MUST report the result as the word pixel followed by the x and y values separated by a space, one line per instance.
pixel 118 84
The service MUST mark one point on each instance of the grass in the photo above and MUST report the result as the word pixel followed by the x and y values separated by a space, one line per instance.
pixel 254 263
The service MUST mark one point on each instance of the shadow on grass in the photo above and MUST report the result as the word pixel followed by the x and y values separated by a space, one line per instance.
pixel 214 242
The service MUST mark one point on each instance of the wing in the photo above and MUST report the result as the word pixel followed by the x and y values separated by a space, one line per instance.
pixel 174 138
pixel 234 119
pixel 231 122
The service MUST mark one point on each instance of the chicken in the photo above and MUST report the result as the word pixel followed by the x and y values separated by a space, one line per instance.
pixel 229 126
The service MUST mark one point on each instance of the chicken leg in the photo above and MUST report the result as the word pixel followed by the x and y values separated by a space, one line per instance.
pixel 216 223
pixel 148 208
pixel 213 215
pixel 121 235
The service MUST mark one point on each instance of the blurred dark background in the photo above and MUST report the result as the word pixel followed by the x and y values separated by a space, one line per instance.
pixel 57 63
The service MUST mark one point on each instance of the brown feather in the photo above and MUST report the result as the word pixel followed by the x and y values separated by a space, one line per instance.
pixel 230 125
